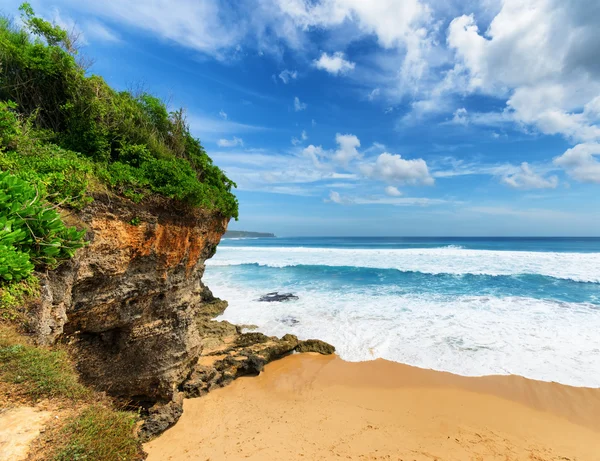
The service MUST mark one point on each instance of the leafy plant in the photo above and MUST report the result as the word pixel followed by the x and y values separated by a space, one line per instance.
pixel 32 232
pixel 135 144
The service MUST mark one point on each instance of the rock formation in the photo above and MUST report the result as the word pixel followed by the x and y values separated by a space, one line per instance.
pixel 133 306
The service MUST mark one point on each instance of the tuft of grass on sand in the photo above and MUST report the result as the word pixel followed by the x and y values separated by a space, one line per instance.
pixel 98 433
pixel 38 372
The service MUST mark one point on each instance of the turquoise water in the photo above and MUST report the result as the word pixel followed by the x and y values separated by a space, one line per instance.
pixel 471 306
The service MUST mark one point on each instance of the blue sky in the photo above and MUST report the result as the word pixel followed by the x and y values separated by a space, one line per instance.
pixel 387 117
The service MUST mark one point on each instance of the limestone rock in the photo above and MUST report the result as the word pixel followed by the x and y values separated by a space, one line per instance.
pixel 315 345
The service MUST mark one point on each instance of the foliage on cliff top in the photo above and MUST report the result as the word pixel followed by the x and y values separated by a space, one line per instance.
pixel 131 142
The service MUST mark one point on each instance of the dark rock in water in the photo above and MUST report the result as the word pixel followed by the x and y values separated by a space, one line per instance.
pixel 315 345
pixel 289 321
pixel 276 297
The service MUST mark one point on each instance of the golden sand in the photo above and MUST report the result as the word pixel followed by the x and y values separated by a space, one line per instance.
pixel 308 407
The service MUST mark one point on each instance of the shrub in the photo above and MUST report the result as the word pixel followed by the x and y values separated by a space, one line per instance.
pixel 83 114
pixel 32 232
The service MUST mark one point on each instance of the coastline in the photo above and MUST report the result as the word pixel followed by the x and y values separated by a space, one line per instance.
pixel 307 406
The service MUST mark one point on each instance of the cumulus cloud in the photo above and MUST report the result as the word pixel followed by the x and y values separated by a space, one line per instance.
pixel 460 117
pixel 526 178
pixel 234 142
pixel 347 149
pixel 298 105
pixel 582 162
pixel 394 169
pixel 335 64
pixel 287 75
pixel 392 191
pixel 536 55
pixel 335 197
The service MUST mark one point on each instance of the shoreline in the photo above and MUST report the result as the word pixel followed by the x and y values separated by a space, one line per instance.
pixel 307 406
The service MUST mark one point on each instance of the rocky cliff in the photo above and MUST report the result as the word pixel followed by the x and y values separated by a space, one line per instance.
pixel 133 307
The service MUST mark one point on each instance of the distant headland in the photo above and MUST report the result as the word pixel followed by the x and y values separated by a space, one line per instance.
pixel 231 234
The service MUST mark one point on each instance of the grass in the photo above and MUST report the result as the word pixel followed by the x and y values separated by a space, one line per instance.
pixel 13 296
pixel 95 432
pixel 38 372
pixel 98 433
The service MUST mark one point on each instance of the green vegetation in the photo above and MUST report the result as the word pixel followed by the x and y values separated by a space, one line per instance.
pixel 32 232
pixel 38 372
pixel 98 433
pixel 70 131
pixel 13 296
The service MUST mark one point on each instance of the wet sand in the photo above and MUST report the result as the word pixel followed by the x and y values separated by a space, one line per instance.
pixel 309 407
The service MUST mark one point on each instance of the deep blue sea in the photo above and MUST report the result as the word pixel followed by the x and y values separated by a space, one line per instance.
pixel 471 306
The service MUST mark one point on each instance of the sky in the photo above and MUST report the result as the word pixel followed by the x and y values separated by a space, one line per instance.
pixel 373 118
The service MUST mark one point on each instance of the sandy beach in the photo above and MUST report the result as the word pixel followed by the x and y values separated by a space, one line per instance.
pixel 310 407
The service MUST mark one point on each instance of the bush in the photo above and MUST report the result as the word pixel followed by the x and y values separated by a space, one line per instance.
pixel 32 232
pixel 83 114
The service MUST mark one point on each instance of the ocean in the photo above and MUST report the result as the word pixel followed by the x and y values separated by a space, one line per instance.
pixel 470 306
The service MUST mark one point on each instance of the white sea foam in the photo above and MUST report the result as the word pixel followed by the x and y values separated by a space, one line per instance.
pixel 467 335
pixel 581 267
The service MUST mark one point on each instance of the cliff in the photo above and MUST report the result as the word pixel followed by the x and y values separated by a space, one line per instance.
pixel 134 309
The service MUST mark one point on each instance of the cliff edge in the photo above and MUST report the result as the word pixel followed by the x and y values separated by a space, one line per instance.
pixel 133 306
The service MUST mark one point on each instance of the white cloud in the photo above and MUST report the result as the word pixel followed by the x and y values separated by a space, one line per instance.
pixel 97 31
pixel 347 150
pixel 394 169
pixel 392 191
pixel 374 94
pixel 335 64
pixel 298 141
pixel 213 128
pixel 298 106
pixel 526 178
pixel 234 142
pixel 536 55
pixel 287 75
pixel 336 197
pixel 582 162
pixel 316 154
pixel 313 123
pixel 223 114
pixel 460 117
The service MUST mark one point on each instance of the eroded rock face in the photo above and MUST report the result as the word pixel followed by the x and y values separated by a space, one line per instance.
pixel 129 301
pixel 133 305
